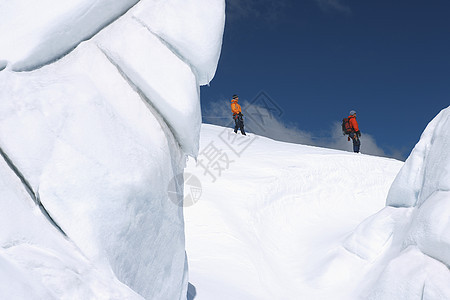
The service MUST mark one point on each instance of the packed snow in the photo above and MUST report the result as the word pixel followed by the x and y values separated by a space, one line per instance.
pixel 99 108
pixel 283 221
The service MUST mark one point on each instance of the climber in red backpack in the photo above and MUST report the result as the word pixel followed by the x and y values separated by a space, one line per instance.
pixel 350 127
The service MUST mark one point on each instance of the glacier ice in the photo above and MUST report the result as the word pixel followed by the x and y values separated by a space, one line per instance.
pixel 37 33
pixel 96 136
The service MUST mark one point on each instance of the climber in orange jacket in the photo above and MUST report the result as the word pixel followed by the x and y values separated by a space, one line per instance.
pixel 355 134
pixel 237 115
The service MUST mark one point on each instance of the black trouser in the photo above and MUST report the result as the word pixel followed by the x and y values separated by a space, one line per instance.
pixel 356 142
pixel 239 123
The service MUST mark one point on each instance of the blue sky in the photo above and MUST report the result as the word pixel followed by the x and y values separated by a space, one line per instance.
pixel 318 59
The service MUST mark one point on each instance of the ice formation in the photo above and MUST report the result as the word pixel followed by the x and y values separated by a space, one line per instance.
pixel 99 107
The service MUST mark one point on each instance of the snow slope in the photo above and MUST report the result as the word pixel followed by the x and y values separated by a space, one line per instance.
pixel 90 143
pixel 272 225
pixel 284 221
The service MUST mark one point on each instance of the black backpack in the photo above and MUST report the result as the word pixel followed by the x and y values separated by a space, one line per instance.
pixel 346 127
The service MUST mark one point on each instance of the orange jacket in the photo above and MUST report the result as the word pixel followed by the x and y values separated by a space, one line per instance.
pixel 353 123
pixel 235 107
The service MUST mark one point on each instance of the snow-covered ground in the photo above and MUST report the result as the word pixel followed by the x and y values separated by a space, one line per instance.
pixel 272 224
pixel 284 221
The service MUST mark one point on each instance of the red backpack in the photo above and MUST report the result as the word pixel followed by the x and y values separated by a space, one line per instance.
pixel 346 127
